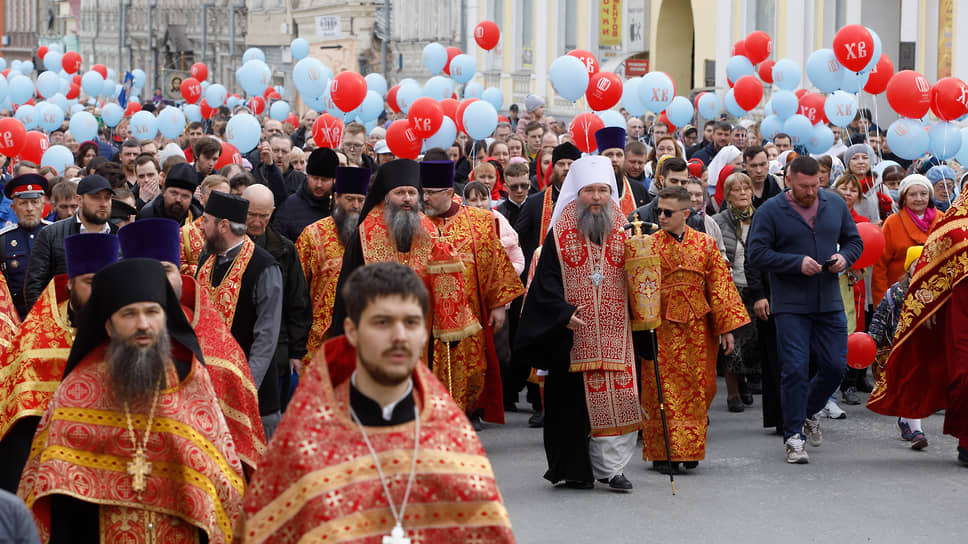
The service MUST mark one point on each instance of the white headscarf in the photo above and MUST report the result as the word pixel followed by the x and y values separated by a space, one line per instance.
pixel 725 156
pixel 583 172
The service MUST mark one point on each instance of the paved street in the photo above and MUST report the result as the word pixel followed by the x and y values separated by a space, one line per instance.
pixel 862 485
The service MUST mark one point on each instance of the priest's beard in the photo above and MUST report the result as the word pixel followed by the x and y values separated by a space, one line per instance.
pixel 593 225
pixel 404 225
pixel 134 371
pixel 346 223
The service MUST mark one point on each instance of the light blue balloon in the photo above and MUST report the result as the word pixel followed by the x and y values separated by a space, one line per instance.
pixel 439 88
pixel 83 126
pixel 65 87
pixel 376 82
pixel 243 131
pixel 255 77
pixel 372 106
pixel 75 109
pixel 786 74
pixel 962 155
pixel 53 61
pixel 785 104
pixel 444 137
pixel 279 110
pixel 824 71
pixel 26 67
pixel 54 47
pixel 253 53
pixel 434 57
pixel 280 89
pixel 770 126
pixel 299 49
pixel 51 117
pixel 20 89
pixel 107 89
pixel 799 128
pixel 57 157
pixel 944 140
pixel 112 75
pixel 311 77
pixel 731 106
pixel 739 66
pixel 680 111
pixel 60 101
pixel 171 122
pixel 875 53
pixel 193 113
pixel 480 119
pixel 908 139
pixel 820 140
pixel 408 81
pixel 47 84
pixel 494 96
pixel 473 90
pixel 204 86
pixel 630 98
pixel 462 68
pixel 656 91
pixel 406 96
pixel 840 108
pixel 612 118
pixel 92 83
pixel 112 114
pixel 3 64
pixel 27 115
pixel 569 77
pixel 143 126
pixel 233 101
pixel 709 106
pixel 853 82
pixel 140 78
pixel 317 103
pixel 215 95
pixel 15 64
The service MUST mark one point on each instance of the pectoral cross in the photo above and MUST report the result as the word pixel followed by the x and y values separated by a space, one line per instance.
pixel 596 278
pixel 396 536
pixel 139 468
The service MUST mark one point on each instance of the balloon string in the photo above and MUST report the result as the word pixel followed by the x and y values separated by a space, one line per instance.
pixel 877 123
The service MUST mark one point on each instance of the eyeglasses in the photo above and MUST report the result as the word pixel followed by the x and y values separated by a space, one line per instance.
pixel 348 145
pixel 519 187
pixel 668 213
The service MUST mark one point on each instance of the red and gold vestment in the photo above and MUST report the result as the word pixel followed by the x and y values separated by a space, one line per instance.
pixel 321 255
pixel 9 320
pixel 192 242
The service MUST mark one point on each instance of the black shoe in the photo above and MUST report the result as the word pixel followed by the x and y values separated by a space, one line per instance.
pixel 745 393
pixel 663 467
pixel 690 464
pixel 735 404
pixel 963 456
pixel 477 423
pixel 618 483
pixel 577 484
pixel 536 421
pixel 850 396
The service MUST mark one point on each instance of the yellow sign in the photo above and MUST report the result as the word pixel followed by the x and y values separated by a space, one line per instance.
pixel 610 22
pixel 945 37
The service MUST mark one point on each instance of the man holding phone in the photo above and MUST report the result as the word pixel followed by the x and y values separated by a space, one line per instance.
pixel 791 235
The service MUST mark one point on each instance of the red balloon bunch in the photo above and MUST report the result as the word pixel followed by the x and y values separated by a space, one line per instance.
pixel 758 46
pixel 880 75
pixel 35 144
pixel 853 47
pixel 874 244
pixel 909 94
pixel 604 91
pixel 71 62
pixel 199 71
pixel 949 98
pixel 327 131
pixel 425 117
pixel 861 350
pixel 582 131
pixel 748 91
pixel 486 34
pixel 12 136
pixel 402 141
pixel 348 91
pixel 811 107
pixel 191 90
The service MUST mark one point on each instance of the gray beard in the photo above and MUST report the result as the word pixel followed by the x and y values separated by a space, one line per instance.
pixel 134 372
pixel 346 224
pixel 404 225
pixel 594 226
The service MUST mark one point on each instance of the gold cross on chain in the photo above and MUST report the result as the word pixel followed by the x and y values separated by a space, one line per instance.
pixel 139 468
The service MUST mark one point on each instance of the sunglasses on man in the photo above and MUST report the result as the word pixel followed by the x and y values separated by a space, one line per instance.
pixel 668 213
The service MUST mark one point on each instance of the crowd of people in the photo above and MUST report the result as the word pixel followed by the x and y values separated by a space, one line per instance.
pixel 302 341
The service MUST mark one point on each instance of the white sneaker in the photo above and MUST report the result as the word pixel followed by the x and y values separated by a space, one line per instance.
pixel 795 453
pixel 833 411
pixel 811 428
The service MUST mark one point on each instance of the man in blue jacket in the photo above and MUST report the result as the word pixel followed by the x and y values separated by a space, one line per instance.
pixel 804 238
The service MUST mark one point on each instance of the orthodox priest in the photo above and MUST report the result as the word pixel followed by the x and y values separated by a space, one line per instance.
pixel 133 447
pixel 471 371
pixel 32 367
pixel 575 325
pixel 372 445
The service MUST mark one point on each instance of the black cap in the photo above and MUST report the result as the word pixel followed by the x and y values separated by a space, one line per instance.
pixel 437 174
pixel 182 176
pixel 227 206
pixel 93 184
pixel 566 150
pixel 322 162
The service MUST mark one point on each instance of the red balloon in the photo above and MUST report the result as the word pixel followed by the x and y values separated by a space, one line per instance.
pixel 425 117
pixel 663 118
pixel 292 120
pixel 327 131
pixel 586 58
pixel 799 93
pixel 861 350
pixel 582 131
pixel 5 72
pixel 229 155
pixel 460 113
pixel 13 135
pixel 758 46
pixel 766 71
pixel 909 94
pixel 880 75
pixel 257 104
pixel 739 48
pixel 604 91
pixel 403 143
pixel 949 98
pixel 42 52
pixel 451 53
pixel 74 92
pixel 76 79
pixel 200 71
pixel 274 95
pixel 748 92
pixel 392 99
pixel 449 107
pixel 811 107
pixel 853 47
pixel 133 108
pixel 487 34
pixel 874 243
pixel 35 143
pixel 71 62
pixel 191 90
pixel 347 90
pixel 101 69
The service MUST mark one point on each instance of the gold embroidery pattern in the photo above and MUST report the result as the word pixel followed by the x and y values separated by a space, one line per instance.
pixel 321 256
pixel 225 296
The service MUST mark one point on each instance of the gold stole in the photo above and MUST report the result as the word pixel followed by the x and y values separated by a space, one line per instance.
pixel 547 210
pixel 225 296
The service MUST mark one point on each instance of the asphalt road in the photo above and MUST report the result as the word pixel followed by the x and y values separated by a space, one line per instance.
pixel 863 484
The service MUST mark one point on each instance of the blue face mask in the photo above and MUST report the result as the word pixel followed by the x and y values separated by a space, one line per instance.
pixel 894 194
pixel 942 205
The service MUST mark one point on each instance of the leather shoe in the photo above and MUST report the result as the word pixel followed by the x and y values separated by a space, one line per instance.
pixel 963 456
pixel 690 464
pixel 577 484
pixel 663 467
pixel 536 420
pixel 735 404
pixel 745 393
pixel 618 482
